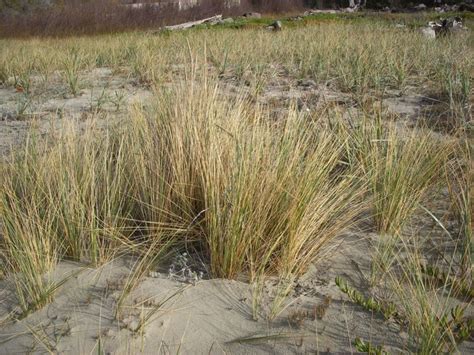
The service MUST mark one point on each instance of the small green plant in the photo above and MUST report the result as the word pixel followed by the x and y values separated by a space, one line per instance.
pixel 221 65
pixel 100 346
pixel 71 67
pixel 22 82
pixel 119 99
pixel 457 87
pixel 97 103
pixel 388 310
pixel 461 326
pixel 401 66
pixel 36 291
pixel 460 286
pixel 147 66
pixel 367 347
pixel 23 104
pixel 4 75
pixel 260 79
pixel 297 317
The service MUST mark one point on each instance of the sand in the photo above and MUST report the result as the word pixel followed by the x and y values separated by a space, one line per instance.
pixel 209 316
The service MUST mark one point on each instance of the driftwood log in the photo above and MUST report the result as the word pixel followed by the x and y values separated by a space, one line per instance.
pixel 186 25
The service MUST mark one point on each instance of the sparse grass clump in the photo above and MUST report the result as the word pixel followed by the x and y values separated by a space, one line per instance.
pixel 459 179
pixel 404 166
pixel 401 164
pixel 72 65
pixel 421 300
pixel 435 321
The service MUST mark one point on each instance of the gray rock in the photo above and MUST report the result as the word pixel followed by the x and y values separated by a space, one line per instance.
pixel 252 15
pixel 295 18
pixel 428 32
pixel 275 26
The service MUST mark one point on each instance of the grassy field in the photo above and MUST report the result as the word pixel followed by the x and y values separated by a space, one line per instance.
pixel 238 160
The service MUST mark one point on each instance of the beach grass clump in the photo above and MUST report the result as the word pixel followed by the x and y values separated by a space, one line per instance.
pixel 29 252
pixel 256 197
pixel 404 169
pixel 400 164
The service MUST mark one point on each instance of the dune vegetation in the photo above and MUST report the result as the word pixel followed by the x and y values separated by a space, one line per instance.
pixel 256 187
